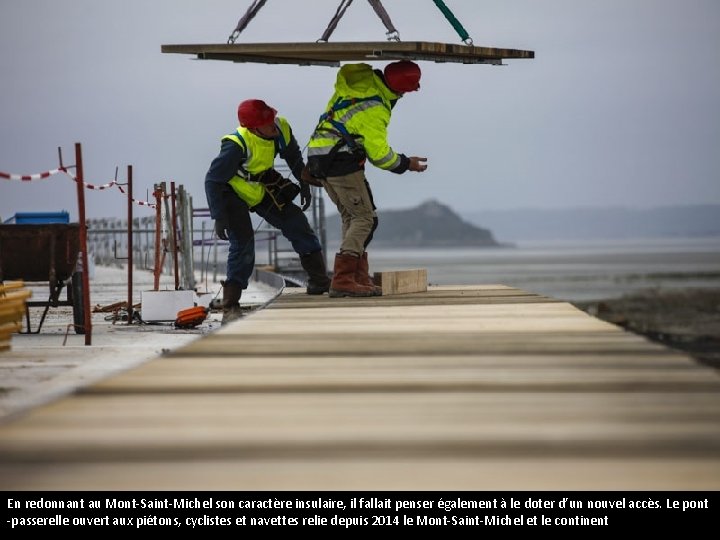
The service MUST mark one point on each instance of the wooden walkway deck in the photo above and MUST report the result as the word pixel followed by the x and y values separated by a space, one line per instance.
pixel 456 388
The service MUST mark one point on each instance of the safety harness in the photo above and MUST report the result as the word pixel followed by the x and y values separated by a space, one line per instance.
pixel 340 129
pixel 280 189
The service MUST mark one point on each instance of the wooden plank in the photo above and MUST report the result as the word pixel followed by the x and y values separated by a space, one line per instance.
pixel 300 299
pixel 11 285
pixel 321 343
pixel 476 395
pixel 332 53
pixel 295 297
pixel 401 281
pixel 592 373
pixel 415 425
pixel 370 473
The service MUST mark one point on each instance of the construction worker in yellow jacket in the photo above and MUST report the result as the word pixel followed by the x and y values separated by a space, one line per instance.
pixel 351 131
pixel 242 180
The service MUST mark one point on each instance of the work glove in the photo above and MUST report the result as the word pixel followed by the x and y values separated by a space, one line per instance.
pixel 221 228
pixel 305 196
pixel 308 178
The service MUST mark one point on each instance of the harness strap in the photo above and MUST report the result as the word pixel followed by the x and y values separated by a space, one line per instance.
pixel 280 145
pixel 339 126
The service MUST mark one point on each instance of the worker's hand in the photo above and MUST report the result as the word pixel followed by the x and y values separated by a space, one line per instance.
pixel 309 178
pixel 305 196
pixel 417 164
pixel 221 228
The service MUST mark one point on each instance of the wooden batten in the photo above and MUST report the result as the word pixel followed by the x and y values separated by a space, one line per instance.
pixel 401 281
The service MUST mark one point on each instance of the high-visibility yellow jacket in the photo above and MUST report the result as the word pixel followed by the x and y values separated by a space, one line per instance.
pixel 243 154
pixel 260 157
pixel 362 106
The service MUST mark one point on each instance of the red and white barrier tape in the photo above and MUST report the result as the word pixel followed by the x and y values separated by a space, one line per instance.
pixel 28 177
pixel 92 186
pixel 141 203
pixel 48 174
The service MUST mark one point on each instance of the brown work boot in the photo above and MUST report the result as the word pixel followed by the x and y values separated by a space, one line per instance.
pixel 314 265
pixel 362 276
pixel 343 281
pixel 231 302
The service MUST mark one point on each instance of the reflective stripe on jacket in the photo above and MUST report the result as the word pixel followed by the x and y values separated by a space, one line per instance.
pixel 260 156
pixel 366 119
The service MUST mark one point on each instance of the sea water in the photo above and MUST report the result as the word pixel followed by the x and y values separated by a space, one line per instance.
pixel 571 271
pixel 565 270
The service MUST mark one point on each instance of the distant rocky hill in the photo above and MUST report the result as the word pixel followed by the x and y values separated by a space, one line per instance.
pixel 429 225
pixel 701 220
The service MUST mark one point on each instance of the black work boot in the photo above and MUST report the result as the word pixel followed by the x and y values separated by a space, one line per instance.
pixel 231 302
pixel 314 265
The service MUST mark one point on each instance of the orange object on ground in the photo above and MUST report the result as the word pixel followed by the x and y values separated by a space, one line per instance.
pixel 191 317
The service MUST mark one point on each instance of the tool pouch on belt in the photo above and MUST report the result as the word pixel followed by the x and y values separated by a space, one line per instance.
pixel 352 151
pixel 281 189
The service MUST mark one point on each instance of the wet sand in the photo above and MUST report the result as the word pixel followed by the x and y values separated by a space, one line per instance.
pixel 686 319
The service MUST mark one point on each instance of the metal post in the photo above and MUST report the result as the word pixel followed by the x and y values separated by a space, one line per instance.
pixel 83 244
pixel 168 230
pixel 186 228
pixel 174 232
pixel 202 253
pixel 130 244
pixel 159 190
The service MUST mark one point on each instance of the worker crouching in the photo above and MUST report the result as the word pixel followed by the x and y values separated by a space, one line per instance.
pixel 241 180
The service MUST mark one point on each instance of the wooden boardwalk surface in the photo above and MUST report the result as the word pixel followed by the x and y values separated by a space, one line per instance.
pixel 456 388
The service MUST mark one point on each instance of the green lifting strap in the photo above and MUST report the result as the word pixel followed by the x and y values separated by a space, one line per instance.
pixel 455 23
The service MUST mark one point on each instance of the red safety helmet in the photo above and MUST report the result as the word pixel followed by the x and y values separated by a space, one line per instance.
pixel 403 76
pixel 255 113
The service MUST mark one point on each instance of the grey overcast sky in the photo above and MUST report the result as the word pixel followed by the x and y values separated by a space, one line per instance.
pixel 620 107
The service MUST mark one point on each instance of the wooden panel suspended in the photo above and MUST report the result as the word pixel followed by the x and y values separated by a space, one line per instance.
pixel 331 54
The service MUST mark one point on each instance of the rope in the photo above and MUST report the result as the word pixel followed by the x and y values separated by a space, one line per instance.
pixel 454 22
pixel 245 19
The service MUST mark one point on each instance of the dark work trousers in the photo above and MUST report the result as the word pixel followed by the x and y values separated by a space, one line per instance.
pixel 291 221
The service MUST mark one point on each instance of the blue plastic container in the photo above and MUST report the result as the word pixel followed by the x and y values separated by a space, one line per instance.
pixel 23 218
